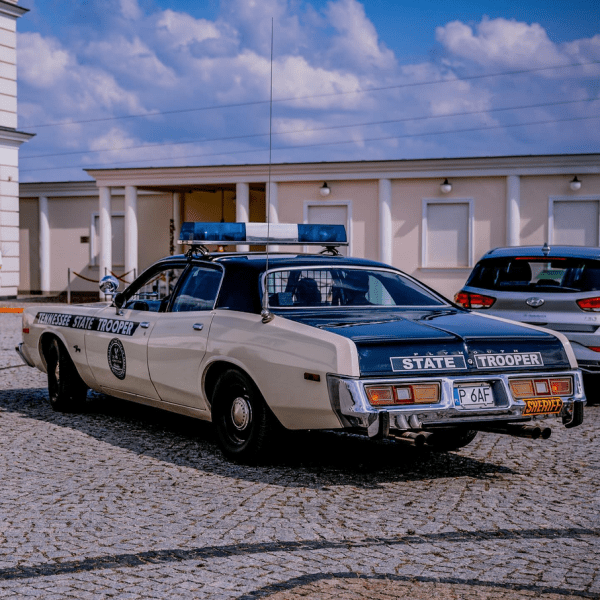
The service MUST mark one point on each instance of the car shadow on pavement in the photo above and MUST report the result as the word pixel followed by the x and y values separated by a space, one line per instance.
pixel 303 459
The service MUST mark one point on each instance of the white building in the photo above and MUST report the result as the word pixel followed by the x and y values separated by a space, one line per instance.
pixel 402 212
pixel 10 140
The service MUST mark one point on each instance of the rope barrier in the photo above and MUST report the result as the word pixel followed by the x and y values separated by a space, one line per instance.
pixel 119 277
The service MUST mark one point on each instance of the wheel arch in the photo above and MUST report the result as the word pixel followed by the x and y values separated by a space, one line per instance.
pixel 44 343
pixel 216 369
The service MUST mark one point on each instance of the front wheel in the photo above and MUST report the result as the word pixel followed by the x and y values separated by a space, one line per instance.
pixel 66 389
pixel 451 438
pixel 244 424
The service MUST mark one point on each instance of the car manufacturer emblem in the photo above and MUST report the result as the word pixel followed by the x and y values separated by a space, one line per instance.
pixel 535 302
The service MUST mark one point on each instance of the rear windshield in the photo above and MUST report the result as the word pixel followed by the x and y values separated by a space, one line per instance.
pixel 329 286
pixel 525 274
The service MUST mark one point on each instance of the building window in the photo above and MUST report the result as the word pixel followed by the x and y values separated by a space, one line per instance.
pixel 447 227
pixel 118 239
pixel 331 213
pixel 574 221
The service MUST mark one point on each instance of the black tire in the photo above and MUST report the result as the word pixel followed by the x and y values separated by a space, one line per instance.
pixel 66 389
pixel 243 423
pixel 451 439
pixel 591 386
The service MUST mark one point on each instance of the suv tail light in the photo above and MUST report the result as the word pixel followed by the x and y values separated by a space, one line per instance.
pixel 589 304
pixel 469 300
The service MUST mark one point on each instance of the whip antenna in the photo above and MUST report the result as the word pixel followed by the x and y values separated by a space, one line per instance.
pixel 265 313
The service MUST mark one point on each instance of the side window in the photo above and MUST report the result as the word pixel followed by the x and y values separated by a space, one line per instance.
pixel 198 291
pixel 154 292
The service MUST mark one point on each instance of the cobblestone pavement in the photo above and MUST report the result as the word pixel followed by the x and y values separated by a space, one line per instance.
pixel 122 501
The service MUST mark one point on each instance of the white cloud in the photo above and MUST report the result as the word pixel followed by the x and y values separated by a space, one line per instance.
pixel 43 62
pixel 180 29
pixel 130 9
pixel 501 42
pixel 133 59
pixel 357 42
pixel 70 87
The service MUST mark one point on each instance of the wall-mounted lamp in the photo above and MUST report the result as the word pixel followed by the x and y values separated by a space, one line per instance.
pixel 446 186
pixel 575 184
pixel 325 190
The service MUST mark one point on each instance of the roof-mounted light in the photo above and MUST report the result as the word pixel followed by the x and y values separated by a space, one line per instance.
pixel 202 234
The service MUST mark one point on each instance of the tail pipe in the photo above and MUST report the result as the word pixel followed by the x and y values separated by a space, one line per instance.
pixel 525 431
pixel 413 438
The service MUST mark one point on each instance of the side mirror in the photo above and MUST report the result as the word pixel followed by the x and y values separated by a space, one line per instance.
pixel 109 285
pixel 119 299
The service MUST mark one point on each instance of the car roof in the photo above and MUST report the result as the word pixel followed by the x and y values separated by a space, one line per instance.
pixel 258 261
pixel 554 251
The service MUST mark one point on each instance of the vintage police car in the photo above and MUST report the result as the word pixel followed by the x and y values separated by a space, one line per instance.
pixel 261 342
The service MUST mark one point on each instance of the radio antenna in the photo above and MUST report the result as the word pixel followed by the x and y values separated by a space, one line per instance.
pixel 265 313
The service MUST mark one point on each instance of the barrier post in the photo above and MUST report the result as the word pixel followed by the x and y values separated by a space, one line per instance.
pixel 69 285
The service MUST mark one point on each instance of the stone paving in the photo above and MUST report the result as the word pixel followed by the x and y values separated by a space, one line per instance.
pixel 123 501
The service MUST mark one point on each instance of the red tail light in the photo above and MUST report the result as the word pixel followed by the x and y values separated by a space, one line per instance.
pixel 469 300
pixel 589 304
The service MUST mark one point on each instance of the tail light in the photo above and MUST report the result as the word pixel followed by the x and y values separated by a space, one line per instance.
pixel 543 386
pixel 589 304
pixel 469 300
pixel 398 395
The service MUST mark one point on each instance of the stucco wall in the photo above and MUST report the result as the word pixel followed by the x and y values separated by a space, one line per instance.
pixel 70 220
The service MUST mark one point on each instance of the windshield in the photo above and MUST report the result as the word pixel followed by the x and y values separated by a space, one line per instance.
pixel 527 274
pixel 331 286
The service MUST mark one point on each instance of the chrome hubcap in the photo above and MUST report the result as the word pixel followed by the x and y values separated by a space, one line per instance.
pixel 241 413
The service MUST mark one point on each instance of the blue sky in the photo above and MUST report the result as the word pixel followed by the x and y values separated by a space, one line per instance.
pixel 122 83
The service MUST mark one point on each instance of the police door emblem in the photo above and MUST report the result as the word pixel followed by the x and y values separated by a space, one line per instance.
pixel 116 358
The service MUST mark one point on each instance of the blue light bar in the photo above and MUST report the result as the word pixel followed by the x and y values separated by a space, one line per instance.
pixel 262 234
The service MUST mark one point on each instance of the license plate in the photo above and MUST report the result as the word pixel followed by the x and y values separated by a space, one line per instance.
pixel 542 406
pixel 474 396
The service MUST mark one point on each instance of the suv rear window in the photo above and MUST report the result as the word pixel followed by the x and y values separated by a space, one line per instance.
pixel 525 274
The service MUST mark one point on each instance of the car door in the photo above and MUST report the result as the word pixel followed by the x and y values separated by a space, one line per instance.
pixel 178 341
pixel 117 347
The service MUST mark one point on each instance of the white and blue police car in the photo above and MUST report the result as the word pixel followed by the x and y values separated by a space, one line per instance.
pixel 258 342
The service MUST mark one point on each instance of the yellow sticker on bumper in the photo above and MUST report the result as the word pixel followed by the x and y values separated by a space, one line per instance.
pixel 542 406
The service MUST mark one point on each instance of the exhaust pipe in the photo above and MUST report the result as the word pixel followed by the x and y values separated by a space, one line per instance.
pixel 525 431
pixel 413 438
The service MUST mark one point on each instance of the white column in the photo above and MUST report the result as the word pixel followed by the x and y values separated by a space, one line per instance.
pixel 273 207
pixel 44 245
pixel 105 235
pixel 176 217
pixel 513 210
pixel 242 208
pixel 385 221
pixel 131 232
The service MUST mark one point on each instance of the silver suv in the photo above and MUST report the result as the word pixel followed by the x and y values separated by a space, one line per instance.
pixel 556 287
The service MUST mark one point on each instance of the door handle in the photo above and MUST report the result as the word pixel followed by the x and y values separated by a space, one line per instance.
pixel 144 324
pixel 198 326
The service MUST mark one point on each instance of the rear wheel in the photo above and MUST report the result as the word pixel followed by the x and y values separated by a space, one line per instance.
pixel 244 424
pixel 451 439
pixel 66 389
